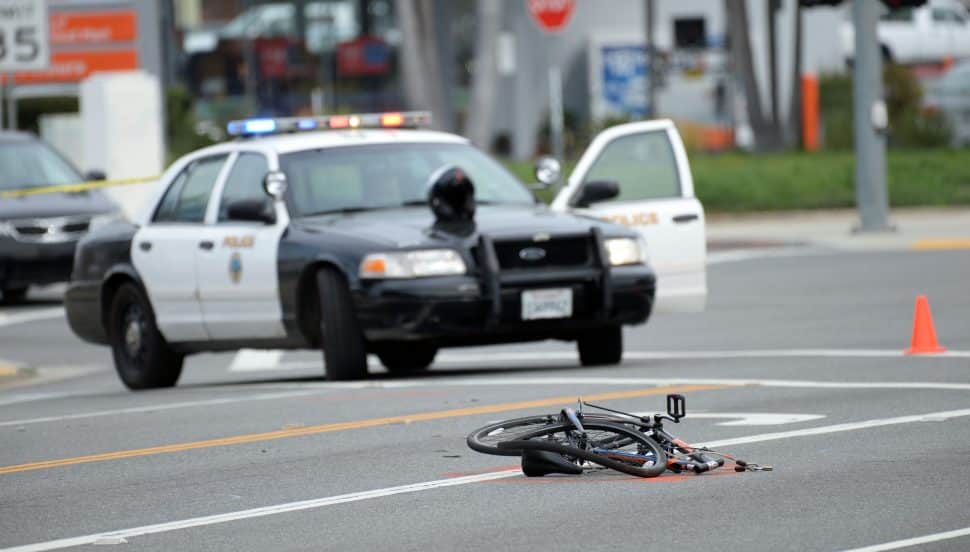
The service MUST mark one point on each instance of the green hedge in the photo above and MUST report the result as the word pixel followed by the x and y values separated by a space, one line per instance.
pixel 784 181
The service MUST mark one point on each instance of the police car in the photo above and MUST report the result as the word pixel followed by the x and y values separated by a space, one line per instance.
pixel 363 234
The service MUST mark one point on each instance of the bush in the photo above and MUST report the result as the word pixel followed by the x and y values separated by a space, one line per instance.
pixel 910 126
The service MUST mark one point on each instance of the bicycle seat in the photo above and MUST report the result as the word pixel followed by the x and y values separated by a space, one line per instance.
pixel 537 463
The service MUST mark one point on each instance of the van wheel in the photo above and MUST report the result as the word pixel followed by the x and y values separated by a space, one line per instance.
pixel 405 357
pixel 342 340
pixel 142 357
pixel 601 347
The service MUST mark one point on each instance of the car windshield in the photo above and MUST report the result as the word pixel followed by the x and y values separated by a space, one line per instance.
pixel 31 165
pixel 387 176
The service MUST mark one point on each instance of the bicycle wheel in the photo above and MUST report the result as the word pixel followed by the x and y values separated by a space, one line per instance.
pixel 486 438
pixel 610 445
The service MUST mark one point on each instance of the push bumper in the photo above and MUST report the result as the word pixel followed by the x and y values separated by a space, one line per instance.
pixel 470 310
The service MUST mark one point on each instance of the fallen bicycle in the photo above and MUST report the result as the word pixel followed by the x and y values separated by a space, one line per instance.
pixel 571 442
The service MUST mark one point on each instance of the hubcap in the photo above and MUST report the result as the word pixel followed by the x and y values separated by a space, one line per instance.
pixel 133 332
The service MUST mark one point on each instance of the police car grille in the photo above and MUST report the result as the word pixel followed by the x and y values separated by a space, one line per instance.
pixel 556 252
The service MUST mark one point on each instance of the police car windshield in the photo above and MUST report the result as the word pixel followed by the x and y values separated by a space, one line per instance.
pixel 28 164
pixel 358 178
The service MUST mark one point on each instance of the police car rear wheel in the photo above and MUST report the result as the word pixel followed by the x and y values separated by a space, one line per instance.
pixel 406 358
pixel 601 347
pixel 142 357
pixel 344 352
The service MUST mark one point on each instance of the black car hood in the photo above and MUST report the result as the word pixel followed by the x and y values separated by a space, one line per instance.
pixel 412 226
pixel 56 205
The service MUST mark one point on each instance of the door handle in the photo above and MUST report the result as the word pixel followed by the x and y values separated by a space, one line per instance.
pixel 688 217
pixel 145 246
pixel 207 245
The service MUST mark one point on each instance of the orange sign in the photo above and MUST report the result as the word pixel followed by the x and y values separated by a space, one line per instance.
pixel 75 66
pixel 69 28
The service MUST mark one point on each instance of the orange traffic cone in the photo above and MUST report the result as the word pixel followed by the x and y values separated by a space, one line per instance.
pixel 924 336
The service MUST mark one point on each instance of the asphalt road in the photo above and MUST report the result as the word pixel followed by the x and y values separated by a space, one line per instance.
pixel 257 452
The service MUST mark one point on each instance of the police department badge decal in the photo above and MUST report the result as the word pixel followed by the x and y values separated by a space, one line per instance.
pixel 235 268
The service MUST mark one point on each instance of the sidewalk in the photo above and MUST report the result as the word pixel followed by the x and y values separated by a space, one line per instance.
pixel 916 229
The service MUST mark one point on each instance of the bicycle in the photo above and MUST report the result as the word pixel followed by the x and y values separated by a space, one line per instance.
pixel 571 441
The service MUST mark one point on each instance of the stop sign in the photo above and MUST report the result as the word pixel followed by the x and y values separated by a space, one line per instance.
pixel 551 16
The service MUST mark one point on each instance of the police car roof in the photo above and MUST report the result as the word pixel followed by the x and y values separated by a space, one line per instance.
pixel 302 141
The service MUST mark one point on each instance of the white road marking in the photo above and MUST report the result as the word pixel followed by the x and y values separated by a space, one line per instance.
pixel 264 511
pixel 33 315
pixel 915 541
pixel 749 418
pixel 593 380
pixel 245 361
pixel 429 485
pixel 250 360
pixel 307 389
pixel 838 428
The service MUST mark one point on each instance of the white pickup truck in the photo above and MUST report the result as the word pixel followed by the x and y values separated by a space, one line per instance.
pixel 938 30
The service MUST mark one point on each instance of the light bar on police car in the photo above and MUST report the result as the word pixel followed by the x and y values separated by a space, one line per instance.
pixel 257 127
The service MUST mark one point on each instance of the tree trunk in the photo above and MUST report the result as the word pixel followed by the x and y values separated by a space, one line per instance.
pixel 481 107
pixel 738 28
pixel 424 86
pixel 795 111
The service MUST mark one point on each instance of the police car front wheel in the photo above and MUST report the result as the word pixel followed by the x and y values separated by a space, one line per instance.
pixel 601 347
pixel 142 357
pixel 344 352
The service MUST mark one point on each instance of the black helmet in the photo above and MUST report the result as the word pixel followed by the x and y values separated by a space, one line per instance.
pixel 451 195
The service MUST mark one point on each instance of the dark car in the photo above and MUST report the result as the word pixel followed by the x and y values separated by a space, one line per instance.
pixel 392 242
pixel 38 233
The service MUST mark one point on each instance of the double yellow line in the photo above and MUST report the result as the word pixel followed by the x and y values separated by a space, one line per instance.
pixel 343 426
pixel 77 187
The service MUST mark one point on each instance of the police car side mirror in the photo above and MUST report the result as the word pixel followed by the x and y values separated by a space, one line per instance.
pixel 251 210
pixel 274 184
pixel 548 171
pixel 595 191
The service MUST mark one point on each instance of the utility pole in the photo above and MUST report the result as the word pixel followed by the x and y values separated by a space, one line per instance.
pixel 651 57
pixel 870 121
pixel 772 7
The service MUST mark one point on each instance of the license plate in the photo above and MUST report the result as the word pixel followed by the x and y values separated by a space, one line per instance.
pixel 540 304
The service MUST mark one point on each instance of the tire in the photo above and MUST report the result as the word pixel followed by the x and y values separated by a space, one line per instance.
pixel 14 296
pixel 486 439
pixel 601 347
pixel 342 341
pixel 142 357
pixel 407 358
pixel 625 448
pixel 569 451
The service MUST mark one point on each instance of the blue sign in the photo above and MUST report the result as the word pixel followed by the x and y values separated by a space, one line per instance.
pixel 624 80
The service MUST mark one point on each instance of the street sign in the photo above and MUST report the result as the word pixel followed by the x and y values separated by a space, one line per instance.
pixel 551 16
pixel 24 44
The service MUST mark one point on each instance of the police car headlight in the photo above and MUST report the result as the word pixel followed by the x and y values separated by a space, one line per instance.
pixel 626 251
pixel 412 264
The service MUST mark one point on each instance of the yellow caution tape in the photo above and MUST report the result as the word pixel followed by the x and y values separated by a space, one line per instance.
pixel 77 187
